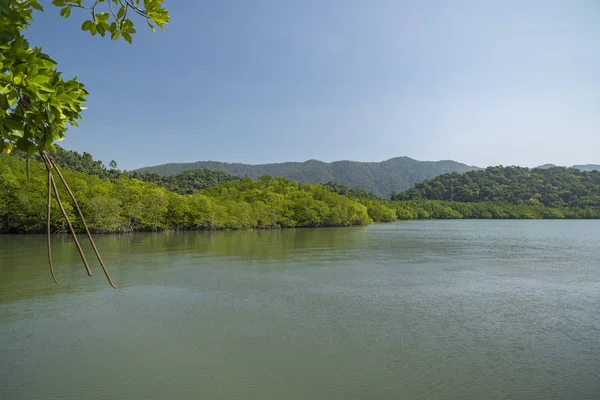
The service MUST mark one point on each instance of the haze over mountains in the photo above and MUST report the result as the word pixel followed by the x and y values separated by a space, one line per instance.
pixel 381 178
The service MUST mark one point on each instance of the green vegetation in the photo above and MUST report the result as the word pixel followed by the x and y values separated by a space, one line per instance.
pixel 439 209
pixel 124 204
pixel 553 187
pixel 346 191
pixel 512 192
pixel 184 183
pixel 380 178
pixel 117 201
pixel 36 104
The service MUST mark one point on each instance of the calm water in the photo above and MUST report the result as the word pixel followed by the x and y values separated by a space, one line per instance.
pixel 421 310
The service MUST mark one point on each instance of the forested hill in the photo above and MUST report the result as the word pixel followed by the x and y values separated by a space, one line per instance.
pixel 128 205
pixel 184 183
pixel 553 187
pixel 587 167
pixel 381 178
pixel 583 167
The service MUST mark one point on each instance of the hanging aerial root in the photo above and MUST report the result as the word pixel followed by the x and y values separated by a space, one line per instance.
pixel 66 216
pixel 49 232
pixel 89 235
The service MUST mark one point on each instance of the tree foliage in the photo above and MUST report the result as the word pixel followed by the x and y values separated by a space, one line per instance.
pixel 346 191
pixel 124 204
pixel 37 105
pixel 556 187
pixel 186 182
pixel 380 178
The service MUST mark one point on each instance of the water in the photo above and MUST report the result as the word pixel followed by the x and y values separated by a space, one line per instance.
pixel 419 310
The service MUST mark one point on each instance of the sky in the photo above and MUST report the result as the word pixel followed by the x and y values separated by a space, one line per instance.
pixel 484 82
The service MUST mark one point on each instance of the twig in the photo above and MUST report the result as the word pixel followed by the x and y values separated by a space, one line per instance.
pixel 89 235
pixel 137 9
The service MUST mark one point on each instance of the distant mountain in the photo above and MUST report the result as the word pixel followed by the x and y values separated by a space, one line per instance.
pixel 547 166
pixel 184 183
pixel 587 167
pixel 583 167
pixel 381 178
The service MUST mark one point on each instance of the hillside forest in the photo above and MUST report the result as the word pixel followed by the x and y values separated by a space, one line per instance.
pixel 122 201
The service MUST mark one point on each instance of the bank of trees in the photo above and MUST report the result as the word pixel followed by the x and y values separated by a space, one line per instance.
pixel 119 203
pixel 557 187
pixel 186 182
pixel 124 204
pixel 440 209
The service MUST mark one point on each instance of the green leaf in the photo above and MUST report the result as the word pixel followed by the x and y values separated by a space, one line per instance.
pixel 121 12
pixel 101 29
pixel 43 96
pixel 3 103
pixel 87 25
pixel 18 132
pixel 12 98
pixel 65 12
pixel 45 87
pixel 151 26
pixel 30 151
pixel 38 79
pixel 59 3
pixel 127 37
pixel 115 35
pixel 103 16
pixel 51 115
pixel 37 6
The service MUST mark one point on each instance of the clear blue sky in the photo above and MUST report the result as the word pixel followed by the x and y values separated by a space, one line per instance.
pixel 481 82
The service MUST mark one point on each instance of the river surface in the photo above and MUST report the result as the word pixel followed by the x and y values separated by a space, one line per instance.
pixel 415 310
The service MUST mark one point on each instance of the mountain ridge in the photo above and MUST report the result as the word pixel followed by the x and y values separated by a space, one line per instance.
pixel 381 178
pixel 581 167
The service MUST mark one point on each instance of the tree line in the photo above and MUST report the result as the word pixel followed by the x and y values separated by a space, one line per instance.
pixel 556 187
pixel 124 204
pixel 116 202
pixel 186 182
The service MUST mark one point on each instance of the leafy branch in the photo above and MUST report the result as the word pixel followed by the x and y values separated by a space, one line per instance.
pixel 36 104
pixel 116 23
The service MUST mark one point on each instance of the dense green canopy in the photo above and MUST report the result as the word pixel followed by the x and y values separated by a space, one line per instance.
pixel 557 187
pixel 124 204
pixel 115 202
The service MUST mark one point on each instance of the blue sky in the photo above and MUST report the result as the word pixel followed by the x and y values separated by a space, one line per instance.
pixel 481 82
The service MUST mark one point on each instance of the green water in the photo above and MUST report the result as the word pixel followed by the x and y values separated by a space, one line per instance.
pixel 420 310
